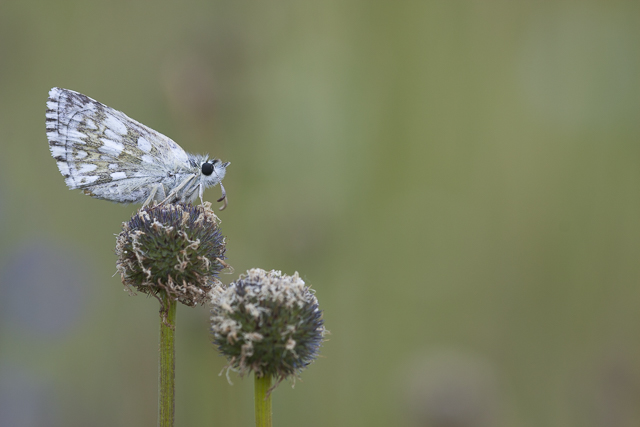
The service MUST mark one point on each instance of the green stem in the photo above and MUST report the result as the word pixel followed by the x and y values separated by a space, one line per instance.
pixel 263 401
pixel 166 402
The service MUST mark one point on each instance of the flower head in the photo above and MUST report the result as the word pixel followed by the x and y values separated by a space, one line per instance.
pixel 175 248
pixel 267 322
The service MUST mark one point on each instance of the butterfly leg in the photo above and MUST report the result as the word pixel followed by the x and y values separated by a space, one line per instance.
pixel 201 193
pixel 224 197
pixel 162 193
pixel 175 191
pixel 158 188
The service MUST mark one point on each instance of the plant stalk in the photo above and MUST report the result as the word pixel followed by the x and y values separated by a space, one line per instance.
pixel 263 400
pixel 166 396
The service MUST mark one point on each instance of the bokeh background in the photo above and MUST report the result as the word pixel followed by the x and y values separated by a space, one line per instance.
pixel 459 181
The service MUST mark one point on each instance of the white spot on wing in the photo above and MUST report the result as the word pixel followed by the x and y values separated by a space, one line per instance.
pixel 57 150
pixel 88 179
pixel 144 145
pixel 81 154
pixel 113 166
pixel 75 137
pixel 112 135
pixel 147 159
pixel 118 175
pixel 111 147
pixel 90 124
pixel 64 168
pixel 87 167
pixel 115 125
pixel 178 153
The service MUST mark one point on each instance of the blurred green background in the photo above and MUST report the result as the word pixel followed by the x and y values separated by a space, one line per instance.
pixel 459 181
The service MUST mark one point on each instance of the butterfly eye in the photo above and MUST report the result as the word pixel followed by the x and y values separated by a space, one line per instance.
pixel 207 168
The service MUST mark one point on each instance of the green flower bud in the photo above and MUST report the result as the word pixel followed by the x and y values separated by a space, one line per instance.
pixel 268 323
pixel 175 248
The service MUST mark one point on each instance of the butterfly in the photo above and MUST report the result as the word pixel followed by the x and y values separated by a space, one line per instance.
pixel 110 156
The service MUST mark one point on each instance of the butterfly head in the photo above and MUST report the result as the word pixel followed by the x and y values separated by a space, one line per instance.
pixel 211 173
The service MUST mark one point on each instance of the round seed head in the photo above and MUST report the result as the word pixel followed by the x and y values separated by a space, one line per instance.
pixel 176 248
pixel 268 323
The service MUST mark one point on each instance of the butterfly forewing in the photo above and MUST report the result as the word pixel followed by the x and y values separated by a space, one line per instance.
pixel 106 153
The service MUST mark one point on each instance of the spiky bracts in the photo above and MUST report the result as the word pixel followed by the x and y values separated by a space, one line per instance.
pixel 176 248
pixel 268 323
